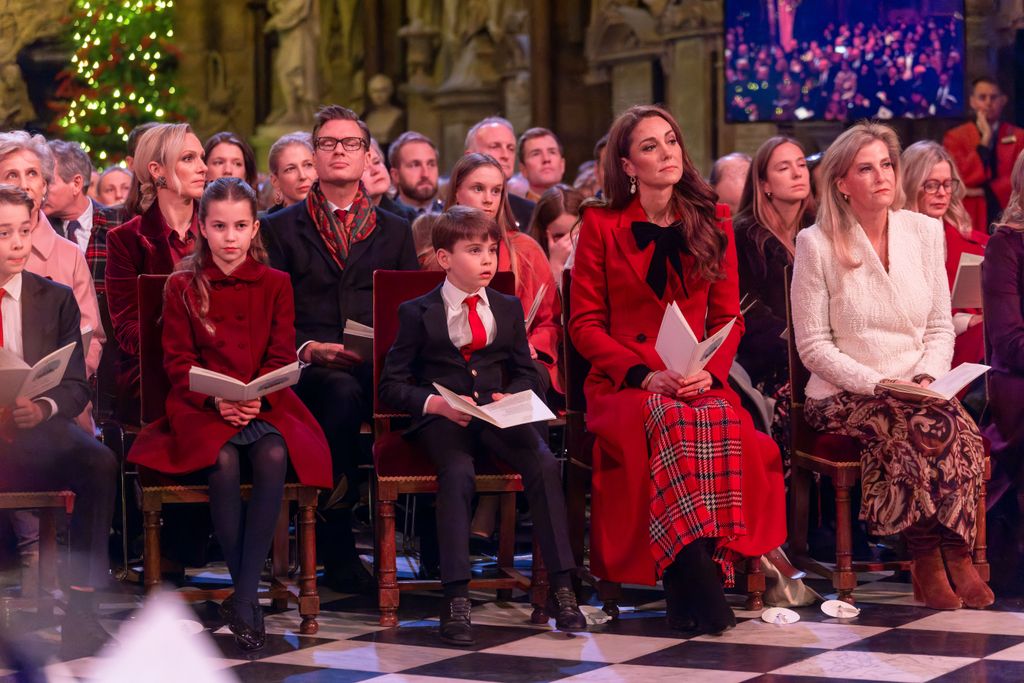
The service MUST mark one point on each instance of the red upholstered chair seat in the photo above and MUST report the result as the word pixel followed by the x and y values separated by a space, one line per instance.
pixel 834 448
pixel 394 456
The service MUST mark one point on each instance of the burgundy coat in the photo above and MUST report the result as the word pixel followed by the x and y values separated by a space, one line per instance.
pixel 615 321
pixel 254 317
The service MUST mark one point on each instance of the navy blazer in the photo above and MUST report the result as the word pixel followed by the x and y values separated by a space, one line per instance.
pixel 50 320
pixel 423 353
pixel 325 295
pixel 522 209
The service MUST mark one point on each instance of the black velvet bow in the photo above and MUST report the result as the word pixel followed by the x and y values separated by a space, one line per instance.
pixel 669 245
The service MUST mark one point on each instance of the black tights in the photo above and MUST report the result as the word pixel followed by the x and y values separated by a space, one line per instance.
pixel 245 536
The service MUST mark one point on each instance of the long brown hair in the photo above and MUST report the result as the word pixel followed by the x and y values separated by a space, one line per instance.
pixel 227 189
pixel 758 213
pixel 693 200
pixel 505 219
pixel 555 201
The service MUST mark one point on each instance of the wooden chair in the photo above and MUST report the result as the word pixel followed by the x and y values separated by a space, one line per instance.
pixel 47 504
pixel 837 457
pixel 159 489
pixel 580 444
pixel 400 469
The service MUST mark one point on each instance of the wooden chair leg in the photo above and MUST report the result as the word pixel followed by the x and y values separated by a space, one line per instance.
pixel 610 594
pixel 539 586
pixel 799 513
pixel 47 560
pixel 507 538
pixel 151 559
pixel 309 599
pixel 387 572
pixel 844 580
pixel 279 559
pixel 755 584
pixel 981 533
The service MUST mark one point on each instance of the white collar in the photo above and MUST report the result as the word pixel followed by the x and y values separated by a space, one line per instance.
pixel 86 215
pixel 334 207
pixel 454 297
pixel 13 287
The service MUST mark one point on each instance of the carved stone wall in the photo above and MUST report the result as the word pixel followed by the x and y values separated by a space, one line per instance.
pixel 23 24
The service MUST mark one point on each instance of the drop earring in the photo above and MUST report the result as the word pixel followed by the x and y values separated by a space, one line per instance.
pixel 846 198
pixel 632 184
pixel 768 195
pixel 160 182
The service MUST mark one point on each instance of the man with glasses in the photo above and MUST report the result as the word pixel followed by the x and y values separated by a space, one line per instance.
pixel 331 244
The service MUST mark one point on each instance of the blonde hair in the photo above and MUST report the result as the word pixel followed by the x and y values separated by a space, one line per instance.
pixel 918 161
pixel 163 144
pixel 835 217
pixel 1013 215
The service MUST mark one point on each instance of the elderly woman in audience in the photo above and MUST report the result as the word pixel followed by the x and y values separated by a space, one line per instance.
pixel 933 187
pixel 682 482
pixel 227 155
pixel 554 218
pixel 776 204
pixel 292 171
pixel 113 186
pixel 377 182
pixel 871 316
pixel 169 178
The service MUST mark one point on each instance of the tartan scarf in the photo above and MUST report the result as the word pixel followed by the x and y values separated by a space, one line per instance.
pixel 360 220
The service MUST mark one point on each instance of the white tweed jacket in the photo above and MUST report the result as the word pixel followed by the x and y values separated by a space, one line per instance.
pixel 857 326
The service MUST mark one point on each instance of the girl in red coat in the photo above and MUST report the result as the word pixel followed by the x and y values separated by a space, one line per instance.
pixel 681 478
pixel 224 310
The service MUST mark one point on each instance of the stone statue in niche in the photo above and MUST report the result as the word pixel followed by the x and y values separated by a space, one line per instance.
pixel 295 65
pixel 342 52
pixel 384 119
pixel 21 25
pixel 15 106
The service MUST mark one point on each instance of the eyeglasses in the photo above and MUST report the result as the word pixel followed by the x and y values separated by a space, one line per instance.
pixel 932 186
pixel 328 144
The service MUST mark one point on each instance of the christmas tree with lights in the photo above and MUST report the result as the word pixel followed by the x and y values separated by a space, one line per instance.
pixel 121 74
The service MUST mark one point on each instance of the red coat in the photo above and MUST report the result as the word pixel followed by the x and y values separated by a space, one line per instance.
pixel 962 143
pixel 614 324
pixel 969 346
pixel 254 317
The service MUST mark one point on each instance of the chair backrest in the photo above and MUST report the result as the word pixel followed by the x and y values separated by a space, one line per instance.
pixel 576 366
pixel 153 378
pixel 392 288
pixel 799 375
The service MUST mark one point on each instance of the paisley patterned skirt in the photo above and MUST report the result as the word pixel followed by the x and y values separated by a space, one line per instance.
pixel 918 460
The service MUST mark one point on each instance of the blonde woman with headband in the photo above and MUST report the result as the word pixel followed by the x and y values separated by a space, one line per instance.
pixel 871 314
pixel 169 177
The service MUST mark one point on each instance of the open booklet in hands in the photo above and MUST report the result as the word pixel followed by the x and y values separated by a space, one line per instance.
pixel 358 339
pixel 17 379
pixel 678 346
pixel 944 388
pixel 515 409
pixel 221 386
pixel 966 291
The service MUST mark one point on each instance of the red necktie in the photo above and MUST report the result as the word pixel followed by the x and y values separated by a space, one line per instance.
pixel 3 293
pixel 341 214
pixel 476 326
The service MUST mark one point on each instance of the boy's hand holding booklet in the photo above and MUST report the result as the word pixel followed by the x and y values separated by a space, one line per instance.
pixel 17 379
pixel 944 388
pixel 678 346
pixel 358 339
pixel 515 409
pixel 221 386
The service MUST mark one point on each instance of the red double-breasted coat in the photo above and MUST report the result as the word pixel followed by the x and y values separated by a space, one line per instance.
pixel 969 346
pixel 615 321
pixel 962 143
pixel 253 314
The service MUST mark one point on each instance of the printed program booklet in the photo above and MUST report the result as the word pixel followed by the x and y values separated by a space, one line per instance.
pixel 18 379
pixel 358 339
pixel 515 409
pixel 967 283
pixel 945 387
pixel 221 386
pixel 678 346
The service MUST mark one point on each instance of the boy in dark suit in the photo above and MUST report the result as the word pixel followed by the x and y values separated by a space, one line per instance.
pixel 41 447
pixel 472 340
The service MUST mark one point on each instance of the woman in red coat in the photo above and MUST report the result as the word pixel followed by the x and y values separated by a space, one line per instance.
pixel 934 187
pixel 169 177
pixel 679 472
pixel 228 312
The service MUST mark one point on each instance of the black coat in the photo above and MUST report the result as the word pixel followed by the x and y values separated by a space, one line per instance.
pixel 326 295
pixel 423 353
pixel 398 208
pixel 522 209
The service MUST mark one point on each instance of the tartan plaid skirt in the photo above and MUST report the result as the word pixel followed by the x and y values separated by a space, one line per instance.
pixel 696 484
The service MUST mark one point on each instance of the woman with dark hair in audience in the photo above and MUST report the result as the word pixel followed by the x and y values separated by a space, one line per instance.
pixel 202 327
pixel 683 485
pixel 168 180
pixel 775 205
pixel 552 225
pixel 933 187
pixel 292 171
pixel 478 181
pixel 871 316
pixel 229 156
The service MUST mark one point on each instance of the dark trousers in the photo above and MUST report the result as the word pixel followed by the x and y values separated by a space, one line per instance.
pixel 58 455
pixel 452 449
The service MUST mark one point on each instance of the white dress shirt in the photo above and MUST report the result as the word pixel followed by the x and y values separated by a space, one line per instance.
pixel 10 313
pixel 84 231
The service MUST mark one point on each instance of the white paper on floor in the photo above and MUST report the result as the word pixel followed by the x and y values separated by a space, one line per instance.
pixel 595 615
pixel 839 609
pixel 779 615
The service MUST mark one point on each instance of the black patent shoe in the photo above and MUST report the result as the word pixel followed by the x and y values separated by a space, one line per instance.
pixel 456 628
pixel 247 637
pixel 562 606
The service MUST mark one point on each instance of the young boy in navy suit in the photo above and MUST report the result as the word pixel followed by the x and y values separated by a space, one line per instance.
pixel 41 447
pixel 472 339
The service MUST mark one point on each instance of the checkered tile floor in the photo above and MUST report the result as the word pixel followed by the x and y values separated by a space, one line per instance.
pixel 891 640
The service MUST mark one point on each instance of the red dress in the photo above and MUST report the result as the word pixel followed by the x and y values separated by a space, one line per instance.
pixel 969 346
pixel 614 324
pixel 252 310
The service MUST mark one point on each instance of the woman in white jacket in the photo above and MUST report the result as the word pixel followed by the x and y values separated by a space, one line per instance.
pixel 871 312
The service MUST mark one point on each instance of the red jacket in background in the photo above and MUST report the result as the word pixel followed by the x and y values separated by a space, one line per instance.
pixel 962 143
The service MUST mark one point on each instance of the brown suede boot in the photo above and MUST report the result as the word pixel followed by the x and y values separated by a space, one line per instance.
pixel 931 586
pixel 969 585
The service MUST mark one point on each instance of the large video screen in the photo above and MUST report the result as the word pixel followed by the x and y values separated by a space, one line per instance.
pixel 843 60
